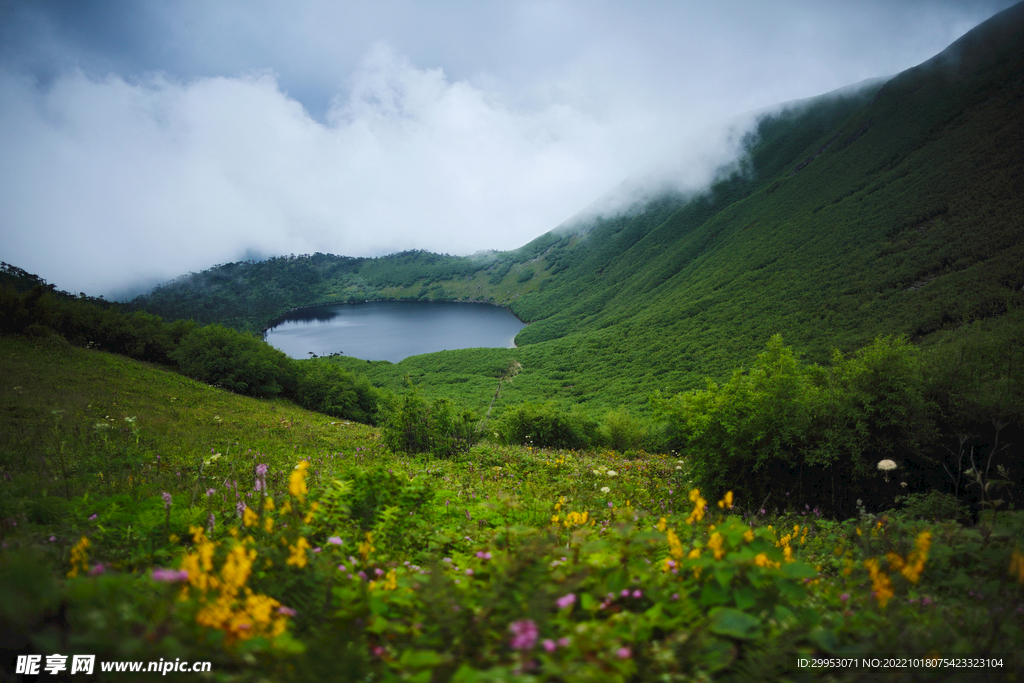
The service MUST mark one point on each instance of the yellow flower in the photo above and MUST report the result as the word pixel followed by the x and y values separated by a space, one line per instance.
pixel 675 547
pixel 727 501
pixel 269 504
pixel 297 481
pixel 1016 569
pixel 698 507
pixel 79 558
pixel 366 547
pixel 748 535
pixel 662 523
pixel 715 543
pixel 694 554
pixel 268 524
pixel 880 583
pixel 298 556
pixel 389 583
pixel 250 518
pixel 312 511
pixel 576 518
pixel 917 557
pixel 761 560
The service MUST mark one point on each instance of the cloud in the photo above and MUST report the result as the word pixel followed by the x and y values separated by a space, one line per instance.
pixel 125 182
pixel 143 140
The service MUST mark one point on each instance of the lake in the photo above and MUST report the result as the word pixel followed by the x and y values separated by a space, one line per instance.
pixel 393 330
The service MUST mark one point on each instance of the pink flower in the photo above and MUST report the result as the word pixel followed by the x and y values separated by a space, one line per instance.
pixel 549 645
pixel 341 567
pixel 844 597
pixel 566 601
pixel 170 575
pixel 334 540
pixel 524 634
pixel 564 642
pixel 638 594
pixel 97 570
pixel 287 611
pixel 624 653
pixel 94 516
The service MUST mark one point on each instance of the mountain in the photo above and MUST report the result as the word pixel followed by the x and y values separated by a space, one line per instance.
pixel 892 210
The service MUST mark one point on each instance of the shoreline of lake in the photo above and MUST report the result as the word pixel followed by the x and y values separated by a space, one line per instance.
pixel 392 329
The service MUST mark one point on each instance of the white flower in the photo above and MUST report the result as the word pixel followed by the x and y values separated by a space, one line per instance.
pixel 612 473
pixel 605 489
pixel 885 466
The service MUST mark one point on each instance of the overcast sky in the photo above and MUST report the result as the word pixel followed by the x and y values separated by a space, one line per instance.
pixel 143 139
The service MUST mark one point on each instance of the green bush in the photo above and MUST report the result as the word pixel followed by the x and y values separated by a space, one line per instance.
pixel 934 506
pixel 546 426
pixel 236 361
pixel 623 432
pixel 411 424
pixel 805 434
pixel 373 490
pixel 330 389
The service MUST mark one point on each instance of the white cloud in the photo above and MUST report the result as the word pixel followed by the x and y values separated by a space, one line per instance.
pixel 112 175
pixel 123 181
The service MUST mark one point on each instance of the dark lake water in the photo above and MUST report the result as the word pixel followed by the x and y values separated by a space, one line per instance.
pixel 393 330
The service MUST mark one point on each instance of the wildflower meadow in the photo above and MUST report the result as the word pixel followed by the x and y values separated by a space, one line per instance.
pixel 278 544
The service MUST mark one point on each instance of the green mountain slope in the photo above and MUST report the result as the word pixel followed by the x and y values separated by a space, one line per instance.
pixel 884 211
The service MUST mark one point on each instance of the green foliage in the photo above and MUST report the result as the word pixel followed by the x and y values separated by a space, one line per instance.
pixel 934 505
pixel 236 361
pixel 374 489
pixel 809 435
pixel 411 424
pixel 546 426
pixel 330 389
pixel 623 432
